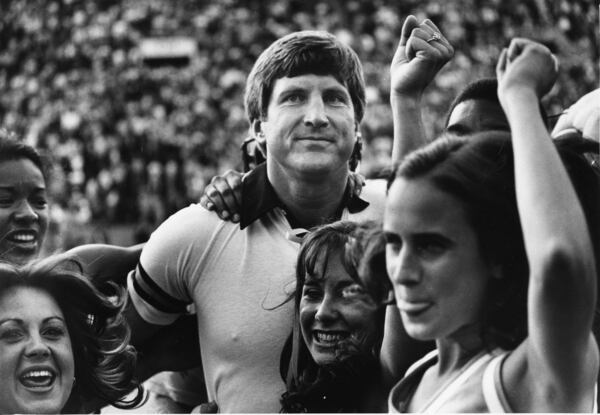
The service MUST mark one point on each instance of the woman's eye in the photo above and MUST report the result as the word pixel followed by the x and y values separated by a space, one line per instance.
pixel 352 291
pixel 11 335
pixel 431 248
pixel 393 243
pixel 393 247
pixel 311 293
pixel 40 202
pixel 54 332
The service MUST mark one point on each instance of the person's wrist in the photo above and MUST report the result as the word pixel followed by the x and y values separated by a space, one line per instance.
pixel 516 93
pixel 406 98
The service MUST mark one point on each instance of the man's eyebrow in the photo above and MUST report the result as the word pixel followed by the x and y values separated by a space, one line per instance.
pixel 338 89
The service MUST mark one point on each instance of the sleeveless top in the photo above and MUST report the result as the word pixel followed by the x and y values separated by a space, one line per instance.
pixel 477 388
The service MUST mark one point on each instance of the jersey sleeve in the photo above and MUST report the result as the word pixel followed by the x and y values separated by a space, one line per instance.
pixel 159 287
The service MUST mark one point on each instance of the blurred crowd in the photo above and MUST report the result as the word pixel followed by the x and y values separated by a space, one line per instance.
pixel 132 142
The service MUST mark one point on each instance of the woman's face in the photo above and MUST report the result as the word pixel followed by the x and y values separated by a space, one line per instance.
pixel 338 317
pixel 433 260
pixel 36 358
pixel 23 210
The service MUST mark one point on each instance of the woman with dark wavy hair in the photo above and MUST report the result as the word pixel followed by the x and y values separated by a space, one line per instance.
pixel 490 247
pixel 331 361
pixel 63 344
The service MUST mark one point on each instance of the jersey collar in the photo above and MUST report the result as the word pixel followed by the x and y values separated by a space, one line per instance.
pixel 259 198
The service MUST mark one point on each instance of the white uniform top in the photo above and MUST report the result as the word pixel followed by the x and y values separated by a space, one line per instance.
pixel 238 277
pixel 477 388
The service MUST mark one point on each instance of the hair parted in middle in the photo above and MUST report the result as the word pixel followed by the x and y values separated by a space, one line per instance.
pixel 478 170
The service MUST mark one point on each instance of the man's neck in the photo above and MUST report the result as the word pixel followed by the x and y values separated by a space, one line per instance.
pixel 312 201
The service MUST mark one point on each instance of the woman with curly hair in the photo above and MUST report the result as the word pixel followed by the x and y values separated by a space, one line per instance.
pixel 63 344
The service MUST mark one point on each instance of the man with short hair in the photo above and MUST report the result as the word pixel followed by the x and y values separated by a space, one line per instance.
pixel 304 100
pixel 477 108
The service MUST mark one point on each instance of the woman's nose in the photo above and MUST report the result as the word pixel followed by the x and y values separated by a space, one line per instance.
pixel 405 269
pixel 327 309
pixel 25 212
pixel 37 347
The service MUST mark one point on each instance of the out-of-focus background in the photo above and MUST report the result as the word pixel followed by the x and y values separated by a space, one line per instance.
pixel 140 103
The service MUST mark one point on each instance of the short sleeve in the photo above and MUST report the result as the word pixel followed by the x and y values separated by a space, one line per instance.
pixel 159 287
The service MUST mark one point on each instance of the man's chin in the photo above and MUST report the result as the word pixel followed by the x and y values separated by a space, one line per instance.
pixel 319 166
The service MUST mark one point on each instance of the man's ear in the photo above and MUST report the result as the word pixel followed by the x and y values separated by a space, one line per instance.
pixel 259 136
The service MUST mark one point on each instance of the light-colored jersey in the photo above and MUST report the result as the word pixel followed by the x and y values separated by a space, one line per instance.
pixel 476 389
pixel 239 281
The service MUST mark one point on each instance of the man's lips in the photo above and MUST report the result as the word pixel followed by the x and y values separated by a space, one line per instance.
pixel 316 139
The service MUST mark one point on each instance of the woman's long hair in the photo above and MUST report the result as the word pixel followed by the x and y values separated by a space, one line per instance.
pixel 478 169
pixel 104 360
pixel 338 387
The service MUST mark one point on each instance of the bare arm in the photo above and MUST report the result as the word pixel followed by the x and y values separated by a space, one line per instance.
pixel 103 262
pixel 415 64
pixel 557 364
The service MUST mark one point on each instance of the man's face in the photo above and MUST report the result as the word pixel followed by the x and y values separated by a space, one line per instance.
pixel 476 115
pixel 310 126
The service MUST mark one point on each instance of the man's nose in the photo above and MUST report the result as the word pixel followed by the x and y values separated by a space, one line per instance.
pixel 315 115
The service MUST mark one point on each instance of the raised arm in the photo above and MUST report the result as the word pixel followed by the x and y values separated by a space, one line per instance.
pixel 421 53
pixel 555 368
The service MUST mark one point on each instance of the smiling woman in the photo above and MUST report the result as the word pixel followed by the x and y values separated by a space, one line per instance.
pixel 331 361
pixel 23 204
pixel 490 246
pixel 63 344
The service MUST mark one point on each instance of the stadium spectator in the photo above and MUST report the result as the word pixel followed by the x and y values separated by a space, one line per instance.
pixel 73 80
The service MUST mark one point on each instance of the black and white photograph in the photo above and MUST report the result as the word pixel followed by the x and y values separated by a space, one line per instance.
pixel 299 206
